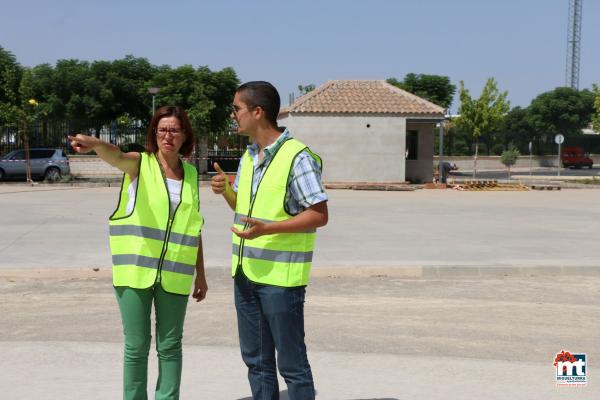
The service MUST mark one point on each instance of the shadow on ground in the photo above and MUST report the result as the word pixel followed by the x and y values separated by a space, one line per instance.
pixel 283 395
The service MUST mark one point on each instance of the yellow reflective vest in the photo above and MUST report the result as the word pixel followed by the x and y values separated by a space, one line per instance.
pixel 282 259
pixel 148 245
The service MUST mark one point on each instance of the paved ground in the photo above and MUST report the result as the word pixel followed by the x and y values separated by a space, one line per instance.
pixel 426 294
pixel 67 228
pixel 369 338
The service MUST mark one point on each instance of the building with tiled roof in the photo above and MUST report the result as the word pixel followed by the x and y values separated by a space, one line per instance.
pixel 363 97
pixel 366 130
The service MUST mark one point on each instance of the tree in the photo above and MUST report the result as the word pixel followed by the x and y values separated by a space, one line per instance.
pixel 128 80
pixel 596 116
pixel 509 158
pixel 306 89
pixel 43 82
pixel 516 129
pixel 435 88
pixel 219 87
pixel 205 95
pixel 562 110
pixel 26 114
pixel 10 79
pixel 91 94
pixel 483 115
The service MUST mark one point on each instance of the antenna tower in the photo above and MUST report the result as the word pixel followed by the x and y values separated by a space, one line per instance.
pixel 574 44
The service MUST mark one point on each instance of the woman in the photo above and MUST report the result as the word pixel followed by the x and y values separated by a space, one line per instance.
pixel 156 246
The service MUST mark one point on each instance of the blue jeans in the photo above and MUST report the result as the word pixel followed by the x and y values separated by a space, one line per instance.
pixel 272 318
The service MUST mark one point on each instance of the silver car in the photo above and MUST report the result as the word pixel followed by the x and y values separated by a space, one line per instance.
pixel 50 164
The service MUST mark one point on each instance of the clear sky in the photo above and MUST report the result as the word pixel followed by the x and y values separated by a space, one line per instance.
pixel 522 43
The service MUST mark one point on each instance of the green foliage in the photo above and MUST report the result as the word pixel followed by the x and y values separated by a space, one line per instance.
pixel 482 116
pixel 509 157
pixel 205 95
pixel 86 93
pixel 517 122
pixel 596 116
pixel 498 149
pixel 305 89
pixel 10 78
pixel 485 114
pixel 562 110
pixel 435 88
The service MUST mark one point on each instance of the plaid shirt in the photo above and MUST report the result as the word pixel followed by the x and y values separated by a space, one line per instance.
pixel 304 183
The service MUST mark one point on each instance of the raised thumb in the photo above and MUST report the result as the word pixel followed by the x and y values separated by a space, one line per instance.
pixel 218 169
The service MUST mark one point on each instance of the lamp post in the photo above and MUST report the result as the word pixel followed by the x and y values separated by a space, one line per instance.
pixel 153 91
pixel 33 103
pixel 441 151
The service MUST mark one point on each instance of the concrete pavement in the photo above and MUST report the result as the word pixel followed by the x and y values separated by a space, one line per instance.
pixel 426 294
pixel 67 228
pixel 368 337
pixel 74 371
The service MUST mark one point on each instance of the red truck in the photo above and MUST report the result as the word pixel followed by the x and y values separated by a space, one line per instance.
pixel 575 157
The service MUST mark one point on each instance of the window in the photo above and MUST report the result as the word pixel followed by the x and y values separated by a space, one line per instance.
pixel 412 145
pixel 19 155
pixel 37 154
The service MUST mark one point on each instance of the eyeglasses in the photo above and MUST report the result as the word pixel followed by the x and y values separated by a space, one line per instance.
pixel 172 131
pixel 236 109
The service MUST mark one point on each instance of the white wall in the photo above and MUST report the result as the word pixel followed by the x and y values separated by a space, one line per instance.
pixel 92 167
pixel 351 151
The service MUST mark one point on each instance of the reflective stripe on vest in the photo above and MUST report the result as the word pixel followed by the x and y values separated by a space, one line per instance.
pixel 274 255
pixel 149 262
pixel 282 259
pixel 153 233
pixel 148 245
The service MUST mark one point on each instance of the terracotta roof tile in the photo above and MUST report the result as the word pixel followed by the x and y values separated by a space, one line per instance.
pixel 370 97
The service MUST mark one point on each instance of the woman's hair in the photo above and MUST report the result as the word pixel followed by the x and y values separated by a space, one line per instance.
pixel 186 127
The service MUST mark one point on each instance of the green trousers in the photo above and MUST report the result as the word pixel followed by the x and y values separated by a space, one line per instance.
pixel 135 306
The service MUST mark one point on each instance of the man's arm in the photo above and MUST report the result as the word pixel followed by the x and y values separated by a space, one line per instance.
pixel 220 185
pixel 312 218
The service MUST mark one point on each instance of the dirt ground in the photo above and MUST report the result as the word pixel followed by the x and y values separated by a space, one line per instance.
pixel 495 317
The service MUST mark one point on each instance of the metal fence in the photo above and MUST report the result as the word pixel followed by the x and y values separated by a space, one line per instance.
pixel 54 134
pixel 225 148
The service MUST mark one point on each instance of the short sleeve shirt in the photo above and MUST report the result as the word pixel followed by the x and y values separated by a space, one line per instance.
pixel 305 188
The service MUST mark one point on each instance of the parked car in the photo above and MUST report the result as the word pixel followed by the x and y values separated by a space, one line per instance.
pixel 575 157
pixel 49 164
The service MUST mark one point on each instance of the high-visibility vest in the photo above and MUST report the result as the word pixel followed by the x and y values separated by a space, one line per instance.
pixel 147 244
pixel 282 259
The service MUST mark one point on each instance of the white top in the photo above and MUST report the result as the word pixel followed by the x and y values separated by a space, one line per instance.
pixel 173 185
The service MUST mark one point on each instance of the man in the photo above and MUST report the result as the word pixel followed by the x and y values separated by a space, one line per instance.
pixel 446 168
pixel 279 202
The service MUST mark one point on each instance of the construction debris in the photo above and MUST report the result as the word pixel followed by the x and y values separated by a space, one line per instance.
pixel 385 187
pixel 545 187
pixel 381 186
pixel 489 185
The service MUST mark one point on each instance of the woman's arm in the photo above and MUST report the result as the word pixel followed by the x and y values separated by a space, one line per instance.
pixel 126 162
pixel 200 285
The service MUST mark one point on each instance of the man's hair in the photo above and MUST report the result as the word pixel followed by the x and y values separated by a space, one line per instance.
pixel 261 94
